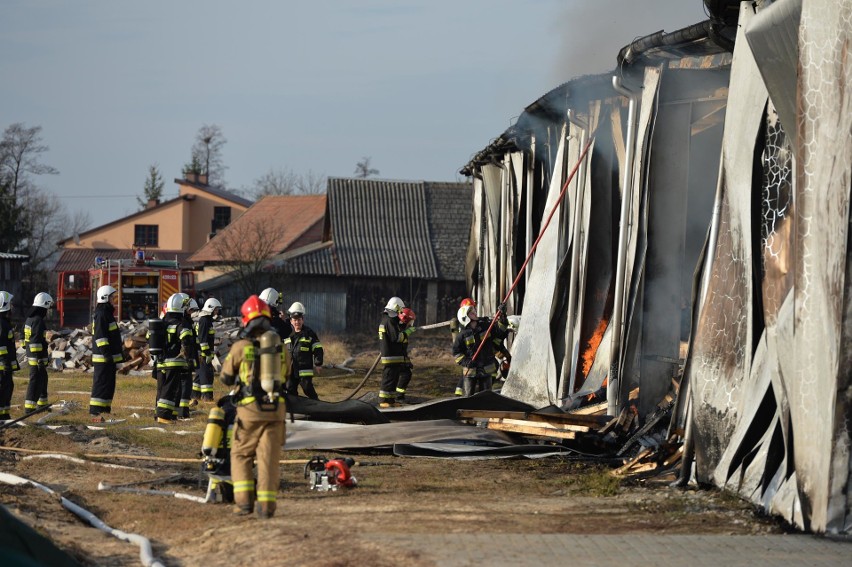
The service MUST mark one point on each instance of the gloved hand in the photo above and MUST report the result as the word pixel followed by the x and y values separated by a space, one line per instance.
pixel 208 359
pixel 502 308
pixel 410 330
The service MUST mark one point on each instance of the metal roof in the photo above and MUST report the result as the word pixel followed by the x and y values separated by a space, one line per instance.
pixel 384 228
pixel 12 256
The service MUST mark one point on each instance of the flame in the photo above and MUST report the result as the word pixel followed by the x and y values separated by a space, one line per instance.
pixel 588 355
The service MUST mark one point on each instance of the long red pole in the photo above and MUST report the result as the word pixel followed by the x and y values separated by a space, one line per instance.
pixel 535 244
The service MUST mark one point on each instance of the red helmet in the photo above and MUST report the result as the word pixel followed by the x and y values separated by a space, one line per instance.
pixel 407 315
pixel 467 301
pixel 253 308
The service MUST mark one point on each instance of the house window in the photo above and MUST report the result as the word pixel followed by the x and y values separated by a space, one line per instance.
pixel 146 235
pixel 221 218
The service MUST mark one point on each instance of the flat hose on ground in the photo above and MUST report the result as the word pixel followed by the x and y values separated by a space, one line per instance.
pixel 379 358
pixel 146 554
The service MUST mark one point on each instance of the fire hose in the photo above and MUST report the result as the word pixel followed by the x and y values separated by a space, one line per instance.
pixel 379 358
pixel 146 554
pixel 535 244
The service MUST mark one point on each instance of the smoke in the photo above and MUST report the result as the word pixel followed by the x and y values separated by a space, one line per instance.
pixel 594 31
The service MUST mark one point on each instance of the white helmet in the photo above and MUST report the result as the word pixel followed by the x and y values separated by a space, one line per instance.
pixel 211 305
pixel 193 305
pixel 463 316
pixel 271 297
pixel 177 302
pixel 395 304
pixel 43 300
pixel 104 292
pixel 5 301
pixel 296 308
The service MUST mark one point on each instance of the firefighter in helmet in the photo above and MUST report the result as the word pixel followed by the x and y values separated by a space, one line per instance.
pixel 305 351
pixel 454 331
pixel 8 358
pixel 274 300
pixel 35 340
pixel 479 372
pixel 184 396
pixel 205 334
pixel 174 364
pixel 257 367
pixel 107 352
pixel 393 340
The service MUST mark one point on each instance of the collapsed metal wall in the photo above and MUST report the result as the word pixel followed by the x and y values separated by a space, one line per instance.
pixel 764 306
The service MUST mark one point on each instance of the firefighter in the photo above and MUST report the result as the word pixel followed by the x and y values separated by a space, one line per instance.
pixel 393 340
pixel 257 367
pixel 36 346
pixel 454 331
pixel 406 321
pixel 305 352
pixel 205 334
pixel 185 390
pixel 107 352
pixel 479 374
pixel 8 356
pixel 175 361
pixel 274 300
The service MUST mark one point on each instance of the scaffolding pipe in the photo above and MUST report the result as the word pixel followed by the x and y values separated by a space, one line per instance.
pixel 614 399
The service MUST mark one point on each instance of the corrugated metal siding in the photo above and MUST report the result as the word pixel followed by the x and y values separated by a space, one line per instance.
pixel 325 312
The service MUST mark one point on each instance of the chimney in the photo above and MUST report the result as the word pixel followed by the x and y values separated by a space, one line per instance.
pixel 152 203
pixel 202 178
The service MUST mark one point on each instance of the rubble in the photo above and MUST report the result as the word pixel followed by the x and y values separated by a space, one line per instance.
pixel 71 349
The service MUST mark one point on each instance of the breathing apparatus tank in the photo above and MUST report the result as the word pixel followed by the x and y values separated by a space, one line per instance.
pixel 270 363
pixel 156 338
pixel 213 433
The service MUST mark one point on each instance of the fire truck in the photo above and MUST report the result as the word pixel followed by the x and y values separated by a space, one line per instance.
pixel 143 286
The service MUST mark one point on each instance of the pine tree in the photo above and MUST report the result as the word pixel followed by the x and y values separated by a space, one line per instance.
pixel 153 187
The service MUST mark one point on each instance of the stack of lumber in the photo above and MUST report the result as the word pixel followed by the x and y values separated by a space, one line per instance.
pixel 549 426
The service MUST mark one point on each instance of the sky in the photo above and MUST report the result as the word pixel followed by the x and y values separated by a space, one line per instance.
pixel 313 86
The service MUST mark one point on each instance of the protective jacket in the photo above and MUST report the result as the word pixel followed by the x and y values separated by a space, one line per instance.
pixel 241 369
pixel 282 327
pixel 107 337
pixel 393 339
pixel 306 351
pixel 469 339
pixel 205 335
pixel 34 337
pixel 8 357
pixel 180 343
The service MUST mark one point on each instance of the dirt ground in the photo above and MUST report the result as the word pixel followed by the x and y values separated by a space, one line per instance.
pixel 394 495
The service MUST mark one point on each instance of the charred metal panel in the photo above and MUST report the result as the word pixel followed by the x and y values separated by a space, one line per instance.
pixel 721 352
pixel 821 391
pixel 532 378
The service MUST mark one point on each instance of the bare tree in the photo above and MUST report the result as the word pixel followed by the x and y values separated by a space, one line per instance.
pixel 245 249
pixel 312 183
pixel 20 155
pixel 279 181
pixel 284 181
pixel 363 169
pixel 207 152
pixel 153 188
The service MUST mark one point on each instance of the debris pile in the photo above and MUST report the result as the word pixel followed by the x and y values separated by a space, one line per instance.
pixel 71 349
pixel 650 450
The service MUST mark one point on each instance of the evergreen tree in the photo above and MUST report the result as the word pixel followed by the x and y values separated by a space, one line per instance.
pixel 153 189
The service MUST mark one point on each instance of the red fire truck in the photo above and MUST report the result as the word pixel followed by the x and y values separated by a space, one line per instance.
pixel 143 286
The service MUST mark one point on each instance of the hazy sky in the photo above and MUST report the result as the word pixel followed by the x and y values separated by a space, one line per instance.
pixel 418 86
